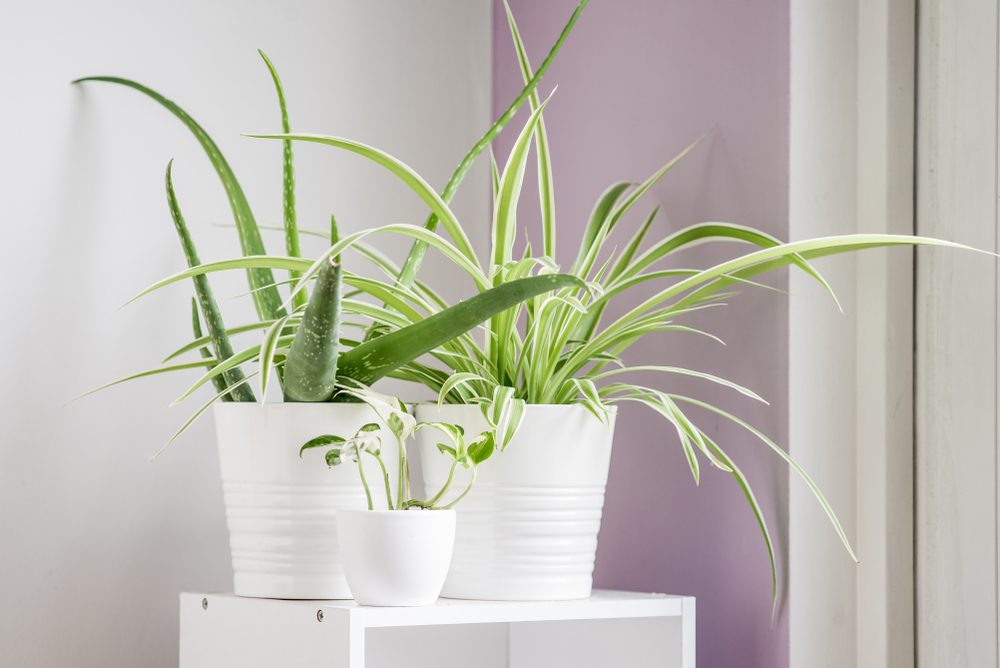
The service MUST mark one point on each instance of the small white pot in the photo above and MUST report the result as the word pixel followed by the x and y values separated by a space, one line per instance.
pixel 396 557
pixel 281 509
pixel 528 529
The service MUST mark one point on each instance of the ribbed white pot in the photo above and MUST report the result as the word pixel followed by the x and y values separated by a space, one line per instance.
pixel 396 557
pixel 528 529
pixel 281 509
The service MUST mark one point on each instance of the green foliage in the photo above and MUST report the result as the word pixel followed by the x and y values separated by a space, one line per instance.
pixel 261 279
pixel 544 336
pixel 305 345
pixel 367 440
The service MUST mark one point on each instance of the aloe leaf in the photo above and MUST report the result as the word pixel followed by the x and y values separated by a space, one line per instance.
pixel 266 300
pixel 219 383
pixel 401 170
pixel 311 364
pixel 375 358
pixel 292 244
pixel 419 249
pixel 206 299
pixel 546 196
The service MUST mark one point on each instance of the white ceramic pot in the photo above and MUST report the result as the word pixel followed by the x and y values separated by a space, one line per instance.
pixel 282 509
pixel 528 529
pixel 396 557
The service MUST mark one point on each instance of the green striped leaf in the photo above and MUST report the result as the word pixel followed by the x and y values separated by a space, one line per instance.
pixel 206 299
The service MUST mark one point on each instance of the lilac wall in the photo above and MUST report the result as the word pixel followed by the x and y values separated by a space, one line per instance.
pixel 638 80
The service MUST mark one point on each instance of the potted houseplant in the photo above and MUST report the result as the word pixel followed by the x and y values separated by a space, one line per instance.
pixel 398 554
pixel 548 374
pixel 281 511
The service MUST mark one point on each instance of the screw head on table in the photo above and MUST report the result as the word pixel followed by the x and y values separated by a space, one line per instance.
pixel 319 615
pixel 204 604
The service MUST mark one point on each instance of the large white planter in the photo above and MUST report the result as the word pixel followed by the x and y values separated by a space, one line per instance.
pixel 528 529
pixel 396 557
pixel 281 509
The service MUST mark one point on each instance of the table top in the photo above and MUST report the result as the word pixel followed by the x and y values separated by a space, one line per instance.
pixel 603 604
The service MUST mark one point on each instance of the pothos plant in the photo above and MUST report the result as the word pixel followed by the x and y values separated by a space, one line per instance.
pixel 367 440
pixel 302 341
pixel 558 347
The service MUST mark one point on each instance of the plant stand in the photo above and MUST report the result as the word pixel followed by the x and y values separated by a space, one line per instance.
pixel 609 629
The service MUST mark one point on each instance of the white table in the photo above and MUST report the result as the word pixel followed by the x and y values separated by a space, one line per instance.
pixel 609 630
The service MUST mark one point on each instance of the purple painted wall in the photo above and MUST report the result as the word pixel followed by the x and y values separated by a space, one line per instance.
pixel 639 80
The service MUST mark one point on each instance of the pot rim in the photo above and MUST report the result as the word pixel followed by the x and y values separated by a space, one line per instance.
pixel 411 512
pixel 433 404
pixel 298 405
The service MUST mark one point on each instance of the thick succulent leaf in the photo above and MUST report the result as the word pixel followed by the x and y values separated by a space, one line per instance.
pixel 266 298
pixel 376 358
pixel 206 354
pixel 292 244
pixel 311 365
pixel 206 299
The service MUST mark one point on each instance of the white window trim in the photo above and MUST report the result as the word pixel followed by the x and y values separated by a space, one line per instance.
pixel 850 376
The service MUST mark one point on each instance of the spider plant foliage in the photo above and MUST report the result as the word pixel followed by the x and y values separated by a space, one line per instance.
pixel 558 348
pixel 302 339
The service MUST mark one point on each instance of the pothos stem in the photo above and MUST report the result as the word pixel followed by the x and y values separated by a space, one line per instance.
pixel 385 479
pixel 472 480
pixel 364 483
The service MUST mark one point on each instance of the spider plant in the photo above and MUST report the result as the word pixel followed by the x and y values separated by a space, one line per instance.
pixel 558 347
pixel 367 440
pixel 302 341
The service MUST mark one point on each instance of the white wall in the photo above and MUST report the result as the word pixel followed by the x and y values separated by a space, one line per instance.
pixel 96 541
